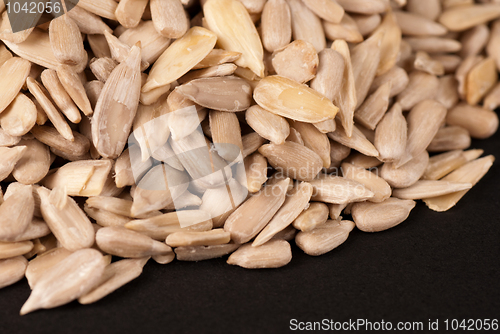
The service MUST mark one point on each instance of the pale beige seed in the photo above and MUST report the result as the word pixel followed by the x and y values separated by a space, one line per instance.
pixel 365 58
pixel 325 237
pixel 87 22
pixel 447 93
pixel 80 178
pixel 276 25
pixel 424 121
pixel 254 214
pixel 159 187
pixel 492 100
pixel 59 95
pixel 43 263
pixel 169 18
pixel 74 276
pixel 19 117
pixel 459 18
pixel 180 57
pixel 129 12
pixel 427 8
pixel 422 86
pixel 357 141
pixel 315 215
pixel 36 229
pixel 391 135
pixel 306 25
pixel 255 172
pixel 155 95
pixel 34 164
pixel 364 6
pixel 274 254
pixel 102 67
pixel 376 217
pixel 13 74
pixel 218 57
pixel 423 62
pixel 221 202
pixel 480 123
pixel 200 161
pixel 493 46
pixel 199 253
pixel 226 134
pixel 314 140
pixel 293 160
pixel 347 96
pixel 434 44
pixel 329 75
pixel 117 105
pixel 120 50
pixel 326 126
pixel 346 29
pixel 373 109
pixel 65 219
pixel 236 32
pixel 335 210
pixel 287 234
pixel 297 61
pixel 296 201
pixel 181 122
pixel 396 76
pixel 462 72
pixel 51 137
pixel 450 62
pixel 214 71
pixel 104 8
pixel 442 164
pixel 391 43
pixel 153 44
pixel 450 138
pixel 66 41
pixel 208 238
pixel 105 218
pixel 367 23
pixel 407 174
pixel 416 25
pixel 270 126
pixel 13 249
pixel 380 188
pixel 480 80
pixel 16 213
pixel 93 89
pixel 328 10
pixel 290 99
pixel 6 30
pixel 474 40
pixel 339 190
pixel 115 275
pixel 159 227
pixel 125 172
pixel 7 140
pixel 253 6
pixel 123 242
pixel 430 188
pixel 295 137
pixel 114 205
pixel 220 93
pixel 471 173
pixel 12 270
pixel 185 200
pixel 71 82
pixel 10 156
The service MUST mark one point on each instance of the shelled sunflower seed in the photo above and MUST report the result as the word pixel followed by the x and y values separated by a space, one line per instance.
pixel 263 122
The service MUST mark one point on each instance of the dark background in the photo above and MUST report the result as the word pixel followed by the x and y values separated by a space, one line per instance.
pixel 432 266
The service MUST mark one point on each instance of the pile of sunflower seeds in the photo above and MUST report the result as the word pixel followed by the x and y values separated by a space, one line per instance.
pixel 195 129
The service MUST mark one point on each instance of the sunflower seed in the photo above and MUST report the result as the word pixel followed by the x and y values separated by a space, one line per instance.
pixel 367 23
pixel 493 46
pixel 364 6
pixel 129 12
pixel 376 217
pixel 391 43
pixel 235 31
pixel 69 279
pixel 423 62
pixel 297 61
pixel 306 25
pixel 13 249
pixel 217 57
pixel 450 138
pixel 115 275
pixel 315 215
pixel 407 174
pixel 255 171
pixel 105 218
pixel 328 80
pixel 391 135
pixel 471 173
pixel 396 76
pixel 480 123
pixel 430 188
pixel 16 213
pixel 443 164
pixel 480 80
pixel 208 238
pixel 314 140
pixel 462 72
pixel 492 100
pixel 449 62
pixel 43 263
pixel 199 253
pixel 339 190
pixel 269 125
pixel 416 25
pixel 60 96
pixel 346 29
pixel 422 86
pixel 169 18
pixel 19 117
pixel 373 109
pixel 459 18
pixel 273 254
pixel 12 270
pixel 427 8
pixel 357 141
pixel 434 44
pixel 13 74
pixel 380 188
pixel 447 93
pixel 325 237
pixel 66 41
pixel 276 25
pixel 10 156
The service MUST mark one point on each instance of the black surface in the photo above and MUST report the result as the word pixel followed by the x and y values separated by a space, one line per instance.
pixel 432 266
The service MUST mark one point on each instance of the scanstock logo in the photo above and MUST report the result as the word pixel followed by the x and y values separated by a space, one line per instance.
pixel 183 170
pixel 26 14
